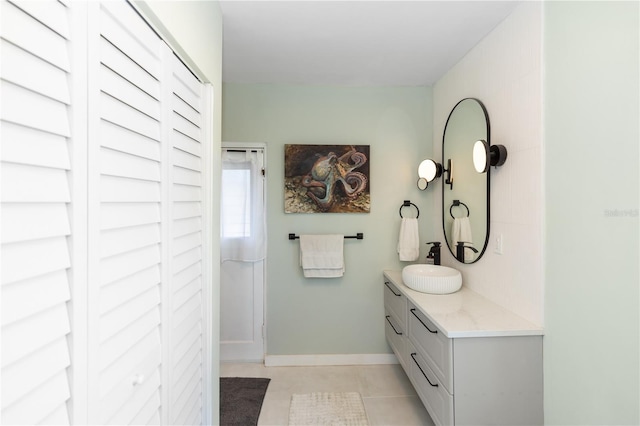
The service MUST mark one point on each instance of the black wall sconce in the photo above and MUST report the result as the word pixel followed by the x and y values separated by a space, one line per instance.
pixel 429 170
pixel 485 156
pixel 449 172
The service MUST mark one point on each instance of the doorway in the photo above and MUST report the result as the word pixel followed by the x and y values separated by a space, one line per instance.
pixel 243 252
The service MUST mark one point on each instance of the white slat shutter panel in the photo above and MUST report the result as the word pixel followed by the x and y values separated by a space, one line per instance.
pixel 125 228
pixel 186 194
pixel 35 193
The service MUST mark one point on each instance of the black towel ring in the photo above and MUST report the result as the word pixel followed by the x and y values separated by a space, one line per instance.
pixel 408 203
pixel 457 203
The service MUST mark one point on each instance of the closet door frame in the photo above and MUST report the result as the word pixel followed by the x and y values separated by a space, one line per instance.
pixel 210 324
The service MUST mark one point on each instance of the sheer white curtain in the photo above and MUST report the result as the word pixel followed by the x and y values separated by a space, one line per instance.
pixel 243 227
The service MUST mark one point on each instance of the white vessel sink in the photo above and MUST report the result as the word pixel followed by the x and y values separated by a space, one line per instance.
pixel 433 279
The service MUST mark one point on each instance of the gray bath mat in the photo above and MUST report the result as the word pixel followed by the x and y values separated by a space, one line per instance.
pixel 241 400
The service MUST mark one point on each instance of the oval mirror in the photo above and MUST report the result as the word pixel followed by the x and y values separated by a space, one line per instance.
pixel 465 204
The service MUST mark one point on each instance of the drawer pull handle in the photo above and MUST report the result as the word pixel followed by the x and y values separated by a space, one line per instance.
pixel 391 288
pixel 394 329
pixel 422 371
pixel 413 311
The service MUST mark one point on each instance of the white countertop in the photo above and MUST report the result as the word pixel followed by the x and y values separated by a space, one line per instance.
pixel 466 313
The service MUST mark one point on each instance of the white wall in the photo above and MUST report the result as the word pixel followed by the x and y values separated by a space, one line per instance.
pixel 345 315
pixel 504 71
pixel 565 73
pixel 591 114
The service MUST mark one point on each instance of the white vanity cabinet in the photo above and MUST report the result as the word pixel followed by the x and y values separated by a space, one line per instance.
pixel 470 361
pixel 395 313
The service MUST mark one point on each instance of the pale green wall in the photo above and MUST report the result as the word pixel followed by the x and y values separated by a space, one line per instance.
pixel 345 315
pixel 193 29
pixel 591 159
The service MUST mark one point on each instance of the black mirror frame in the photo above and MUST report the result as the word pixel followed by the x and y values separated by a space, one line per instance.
pixel 488 174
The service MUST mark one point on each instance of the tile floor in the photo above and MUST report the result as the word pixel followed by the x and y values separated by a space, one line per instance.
pixel 388 396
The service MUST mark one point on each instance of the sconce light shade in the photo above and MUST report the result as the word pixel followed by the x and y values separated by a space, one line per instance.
pixel 480 153
pixel 485 156
pixel 429 170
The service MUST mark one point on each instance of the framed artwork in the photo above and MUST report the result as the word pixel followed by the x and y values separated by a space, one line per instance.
pixel 326 179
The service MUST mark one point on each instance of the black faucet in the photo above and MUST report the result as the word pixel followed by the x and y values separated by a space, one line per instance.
pixel 460 250
pixel 434 252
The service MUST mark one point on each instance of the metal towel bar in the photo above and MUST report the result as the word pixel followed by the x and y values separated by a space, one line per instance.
pixel 358 236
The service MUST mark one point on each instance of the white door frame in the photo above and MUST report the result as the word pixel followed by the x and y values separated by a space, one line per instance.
pixel 262 146
pixel 211 299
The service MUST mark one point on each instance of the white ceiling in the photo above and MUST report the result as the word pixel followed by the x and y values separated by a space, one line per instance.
pixel 356 42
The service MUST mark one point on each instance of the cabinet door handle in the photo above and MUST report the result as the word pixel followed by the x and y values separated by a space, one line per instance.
pixel 422 371
pixel 413 311
pixel 394 329
pixel 391 288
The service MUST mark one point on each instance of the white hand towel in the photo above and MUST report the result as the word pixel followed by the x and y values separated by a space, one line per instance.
pixel 461 231
pixel 321 256
pixel 409 240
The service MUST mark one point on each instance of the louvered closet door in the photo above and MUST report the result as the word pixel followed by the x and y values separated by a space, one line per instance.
pixel 125 219
pixel 145 207
pixel 186 310
pixel 36 202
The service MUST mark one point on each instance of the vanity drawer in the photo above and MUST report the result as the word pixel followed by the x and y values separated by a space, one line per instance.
pixel 435 397
pixel 396 336
pixel 395 302
pixel 433 344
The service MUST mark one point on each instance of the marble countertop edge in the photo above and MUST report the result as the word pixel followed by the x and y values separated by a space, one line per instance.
pixel 466 314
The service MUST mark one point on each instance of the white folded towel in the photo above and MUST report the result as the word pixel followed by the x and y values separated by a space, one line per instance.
pixel 409 240
pixel 461 231
pixel 321 256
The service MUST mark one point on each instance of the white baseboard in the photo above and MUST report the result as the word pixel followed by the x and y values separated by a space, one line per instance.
pixel 330 359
